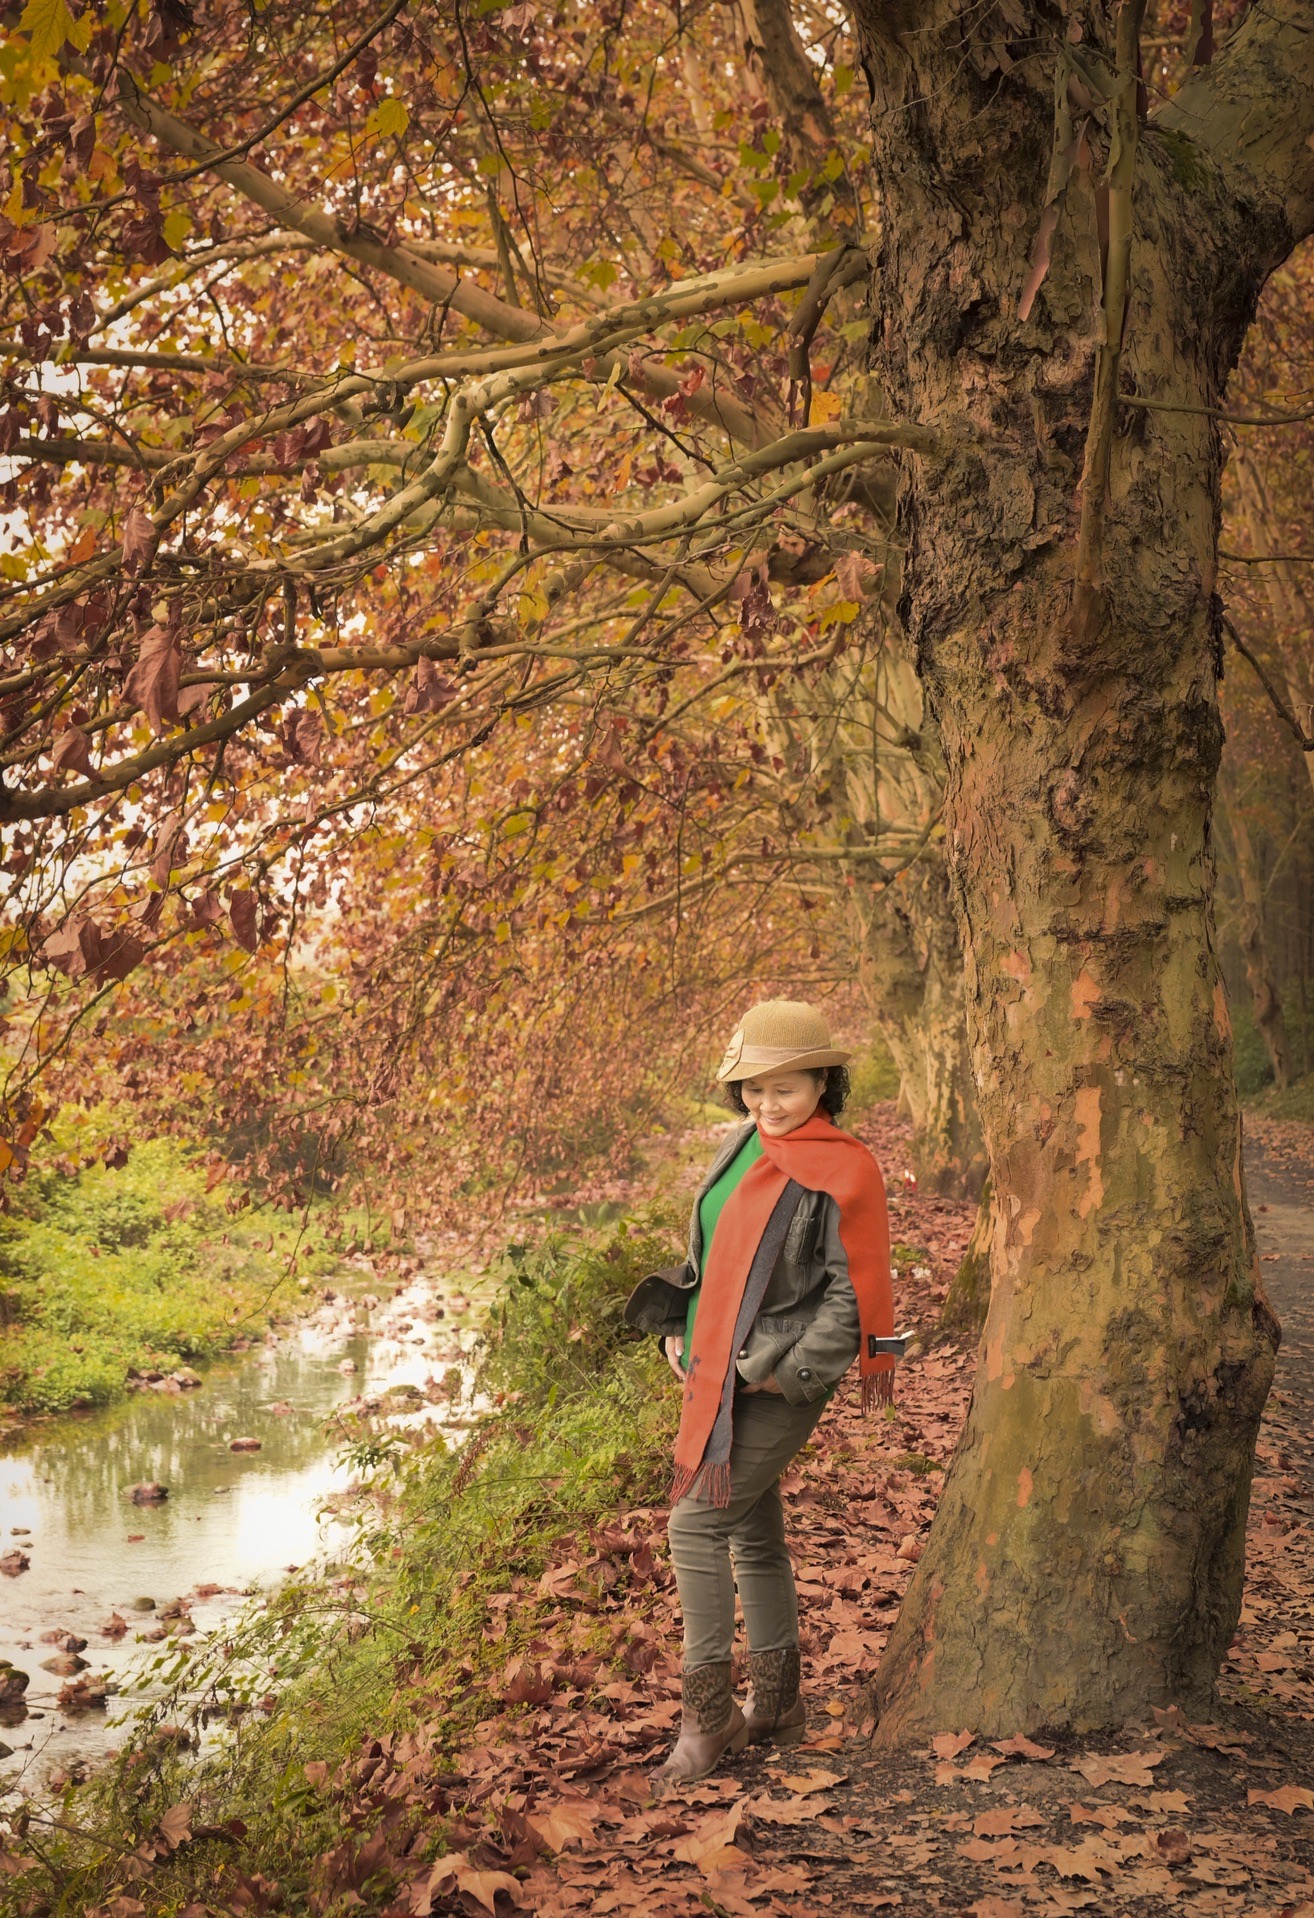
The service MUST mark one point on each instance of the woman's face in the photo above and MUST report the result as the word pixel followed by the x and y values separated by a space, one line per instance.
pixel 780 1101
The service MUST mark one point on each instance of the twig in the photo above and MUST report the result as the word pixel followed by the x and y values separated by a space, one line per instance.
pixel 1279 704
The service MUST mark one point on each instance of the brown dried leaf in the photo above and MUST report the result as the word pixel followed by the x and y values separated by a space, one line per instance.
pixel 949 1744
pixel 788 1811
pixel 1118 1768
pixel 571 1822
pixel 1287 1798
pixel 813 1780
pixel 1022 1747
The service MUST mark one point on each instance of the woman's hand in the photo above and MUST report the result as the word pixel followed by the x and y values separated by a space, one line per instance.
pixel 767 1385
pixel 673 1347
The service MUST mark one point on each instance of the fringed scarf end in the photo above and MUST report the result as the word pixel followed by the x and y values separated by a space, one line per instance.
pixel 709 1484
pixel 878 1388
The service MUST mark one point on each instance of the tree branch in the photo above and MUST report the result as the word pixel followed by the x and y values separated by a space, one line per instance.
pixel 1252 112
pixel 1303 739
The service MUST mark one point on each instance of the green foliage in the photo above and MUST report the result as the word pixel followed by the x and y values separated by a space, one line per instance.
pixel 874 1075
pixel 556 1323
pixel 109 1270
pixel 1253 1070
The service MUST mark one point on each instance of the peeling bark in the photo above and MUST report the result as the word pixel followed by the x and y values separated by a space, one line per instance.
pixel 1087 1558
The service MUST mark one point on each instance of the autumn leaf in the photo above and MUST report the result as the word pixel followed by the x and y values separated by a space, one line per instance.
pixel 1119 1768
pixel 788 1811
pixel 950 1744
pixel 48 24
pixel 711 1847
pixel 568 1823
pixel 473 1881
pixel 242 916
pixel 153 681
pixel 138 539
pixel 175 1827
pixel 1287 1798
pixel 1021 1747
pixel 73 749
pixel 1007 1819
pixel 812 1780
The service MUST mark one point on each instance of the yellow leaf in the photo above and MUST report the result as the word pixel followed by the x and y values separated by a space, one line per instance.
pixel 6 1156
pixel 48 24
pixel 825 407
pixel 389 117
pixel 177 225
pixel 14 204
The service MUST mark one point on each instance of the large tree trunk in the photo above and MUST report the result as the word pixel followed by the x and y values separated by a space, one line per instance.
pixel 1086 1561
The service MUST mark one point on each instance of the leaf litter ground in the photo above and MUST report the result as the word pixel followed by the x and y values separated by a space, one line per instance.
pixel 548 1805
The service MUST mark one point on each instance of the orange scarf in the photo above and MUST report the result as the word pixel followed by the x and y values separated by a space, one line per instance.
pixel 820 1158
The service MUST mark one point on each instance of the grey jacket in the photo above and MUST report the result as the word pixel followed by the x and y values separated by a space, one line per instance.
pixel 807 1330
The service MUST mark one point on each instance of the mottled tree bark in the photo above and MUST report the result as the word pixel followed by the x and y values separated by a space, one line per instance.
pixel 1087 1558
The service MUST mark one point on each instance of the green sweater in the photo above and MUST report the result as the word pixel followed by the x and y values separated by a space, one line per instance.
pixel 710 1208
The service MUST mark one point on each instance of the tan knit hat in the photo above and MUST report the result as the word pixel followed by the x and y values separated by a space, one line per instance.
pixel 780 1035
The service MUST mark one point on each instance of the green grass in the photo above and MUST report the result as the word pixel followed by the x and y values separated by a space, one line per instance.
pixel 106 1271
pixel 1295 1101
pixel 413 1640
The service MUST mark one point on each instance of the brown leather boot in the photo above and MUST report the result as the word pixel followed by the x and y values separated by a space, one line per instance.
pixel 711 1724
pixel 773 1710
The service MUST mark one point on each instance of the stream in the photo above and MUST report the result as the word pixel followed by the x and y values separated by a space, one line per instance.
pixel 234 1522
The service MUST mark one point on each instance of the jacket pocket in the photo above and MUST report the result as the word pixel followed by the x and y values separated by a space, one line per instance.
pixel 801 1238
pixel 786 1330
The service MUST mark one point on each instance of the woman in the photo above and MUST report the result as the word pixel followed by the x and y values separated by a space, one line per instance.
pixel 788 1275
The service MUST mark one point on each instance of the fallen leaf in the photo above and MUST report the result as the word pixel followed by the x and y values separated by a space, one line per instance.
pixel 813 1780
pixel 712 1845
pixel 992 1907
pixel 1091 1858
pixel 482 1886
pixel 981 1767
pixel 1118 1768
pixel 1287 1798
pixel 1021 1747
pixel 788 1811
pixel 1169 1804
pixel 1008 1818
pixel 1110 1816
pixel 568 1823
pixel 949 1744
pixel 1173 1846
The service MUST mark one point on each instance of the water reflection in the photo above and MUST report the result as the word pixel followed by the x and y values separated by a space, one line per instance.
pixel 236 1521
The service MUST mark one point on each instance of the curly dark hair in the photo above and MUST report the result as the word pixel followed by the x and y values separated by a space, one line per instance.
pixel 834 1093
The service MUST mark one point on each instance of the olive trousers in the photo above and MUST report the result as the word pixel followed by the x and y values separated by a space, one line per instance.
pixel 716 1548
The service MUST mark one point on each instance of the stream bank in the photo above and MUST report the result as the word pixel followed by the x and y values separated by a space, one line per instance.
pixel 107 1591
